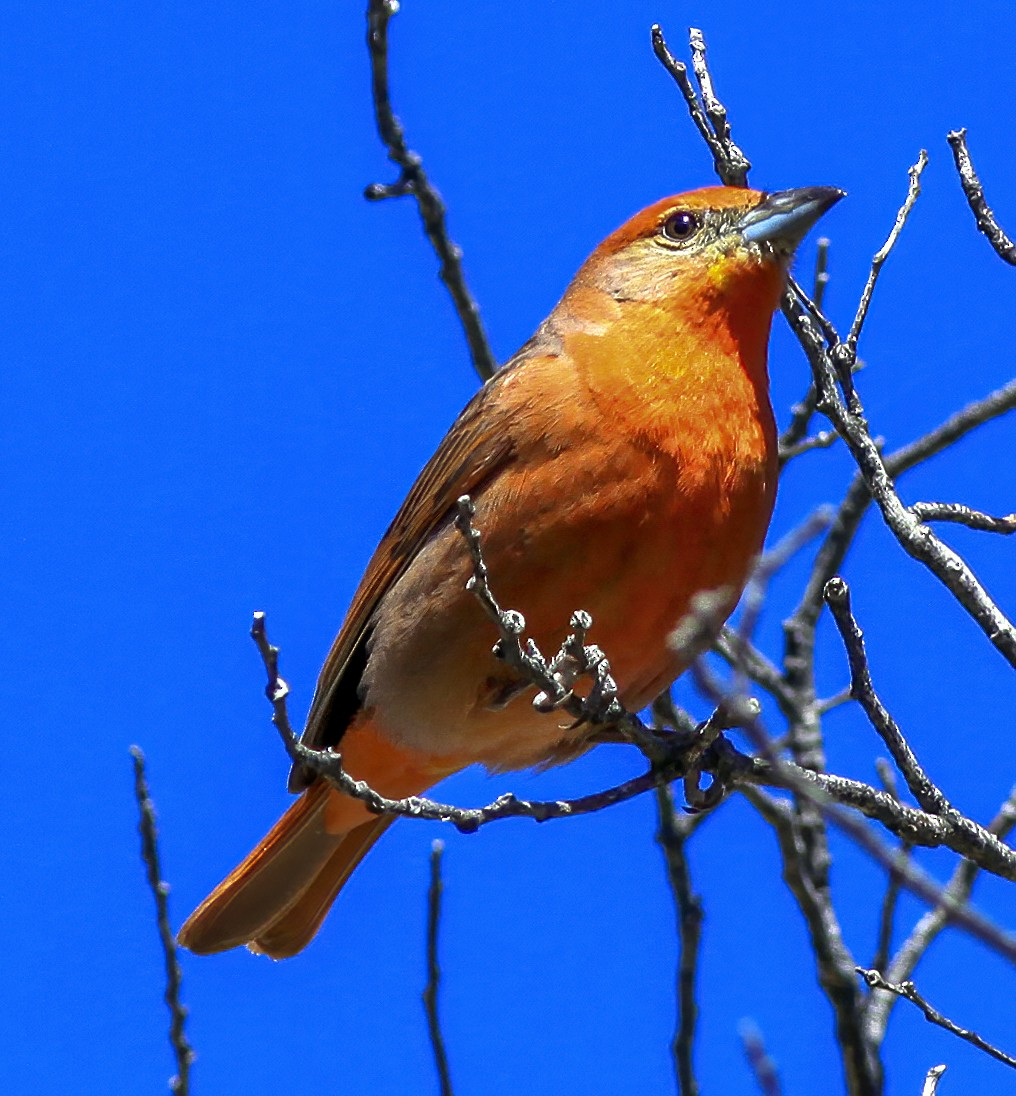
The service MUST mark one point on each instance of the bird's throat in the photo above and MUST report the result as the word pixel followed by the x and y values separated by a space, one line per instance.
pixel 691 385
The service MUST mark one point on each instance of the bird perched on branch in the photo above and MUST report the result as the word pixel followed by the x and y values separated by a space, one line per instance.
pixel 623 461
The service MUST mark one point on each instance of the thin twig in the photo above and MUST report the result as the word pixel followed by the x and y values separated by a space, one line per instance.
pixel 974 191
pixel 931 1080
pixel 707 113
pixel 908 991
pixel 824 439
pixel 858 498
pixel 731 769
pixel 887 911
pixel 735 645
pixel 955 894
pixel 183 1052
pixel 893 890
pixel 827 792
pixel 414 180
pixel 833 960
pixel 913 193
pixel 831 703
pixel 736 163
pixel 821 280
pixel 963 515
pixel 801 413
pixel 763 1068
pixel 913 536
pixel 432 989
pixel 737 653
pixel 672 836
pixel 923 789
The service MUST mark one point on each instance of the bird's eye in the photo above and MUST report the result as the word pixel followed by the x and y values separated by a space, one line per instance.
pixel 681 226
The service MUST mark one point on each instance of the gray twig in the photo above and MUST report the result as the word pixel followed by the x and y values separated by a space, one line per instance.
pixel 432 989
pixel 963 515
pixel 736 163
pixel 931 1080
pixel 183 1052
pixel 955 894
pixel 923 789
pixel 731 769
pixel 328 764
pixel 913 193
pixel 833 961
pixel 890 900
pixel 824 439
pixel 414 180
pixel 908 991
pixel 757 668
pixel 707 112
pixel 672 836
pixel 763 1068
pixel 800 628
pixel 974 191
pixel 913 536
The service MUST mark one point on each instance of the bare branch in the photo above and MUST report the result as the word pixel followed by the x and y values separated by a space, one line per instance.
pixel 834 963
pixel 183 1052
pixel 736 163
pixel 708 113
pixel 923 789
pixel 825 439
pixel 730 767
pixel 736 643
pixel 858 498
pixel 555 678
pixel 887 912
pixel 830 703
pixel 794 441
pixel 672 836
pixel 956 893
pixel 414 180
pixel 953 429
pixel 909 991
pixel 972 188
pixel 960 834
pixel 763 1068
pixel 934 1075
pixel 913 193
pixel 328 764
pixel 914 537
pixel 431 990
pixel 963 515
pixel 757 668
pixel 821 280
pixel 893 890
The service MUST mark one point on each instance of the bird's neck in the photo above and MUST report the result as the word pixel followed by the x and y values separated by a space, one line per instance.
pixel 689 372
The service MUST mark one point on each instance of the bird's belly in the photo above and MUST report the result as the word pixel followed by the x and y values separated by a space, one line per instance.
pixel 630 543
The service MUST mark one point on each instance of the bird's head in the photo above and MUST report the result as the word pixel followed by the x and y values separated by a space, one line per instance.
pixel 718 244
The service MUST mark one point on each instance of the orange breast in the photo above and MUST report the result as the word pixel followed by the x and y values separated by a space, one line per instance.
pixel 598 512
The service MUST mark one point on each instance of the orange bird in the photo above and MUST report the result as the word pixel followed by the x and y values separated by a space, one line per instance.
pixel 622 461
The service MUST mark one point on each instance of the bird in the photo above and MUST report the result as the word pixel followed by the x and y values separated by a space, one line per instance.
pixel 622 462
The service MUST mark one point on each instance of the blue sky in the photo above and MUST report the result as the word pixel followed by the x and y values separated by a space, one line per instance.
pixel 223 370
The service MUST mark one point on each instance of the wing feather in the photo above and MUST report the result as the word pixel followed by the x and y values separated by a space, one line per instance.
pixel 477 446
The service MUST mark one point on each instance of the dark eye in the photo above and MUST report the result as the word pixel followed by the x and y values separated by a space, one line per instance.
pixel 681 226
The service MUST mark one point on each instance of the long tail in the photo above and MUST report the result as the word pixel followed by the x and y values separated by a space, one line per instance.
pixel 275 900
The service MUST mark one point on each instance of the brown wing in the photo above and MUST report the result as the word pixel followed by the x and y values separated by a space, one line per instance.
pixel 477 445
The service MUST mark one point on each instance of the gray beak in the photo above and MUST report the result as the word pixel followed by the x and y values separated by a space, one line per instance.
pixel 783 219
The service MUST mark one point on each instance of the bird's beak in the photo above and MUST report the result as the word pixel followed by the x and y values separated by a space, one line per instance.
pixel 783 219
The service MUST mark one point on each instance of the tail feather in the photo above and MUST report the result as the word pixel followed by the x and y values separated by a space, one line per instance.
pixel 277 898
pixel 270 881
pixel 299 923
